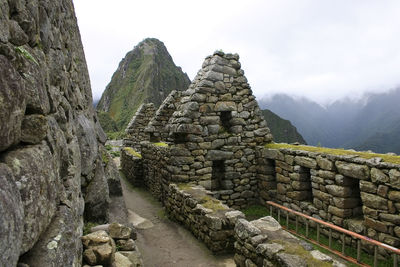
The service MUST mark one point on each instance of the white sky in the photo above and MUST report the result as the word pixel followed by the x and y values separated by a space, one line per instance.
pixel 322 49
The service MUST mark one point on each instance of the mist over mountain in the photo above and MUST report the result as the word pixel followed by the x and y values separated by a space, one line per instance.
pixel 282 130
pixel 371 123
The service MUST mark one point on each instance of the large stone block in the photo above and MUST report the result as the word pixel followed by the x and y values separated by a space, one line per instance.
pixel 353 170
pixel 306 162
pixel 219 155
pixel 339 191
pixel 38 183
pixel 378 176
pixel 12 104
pixel 225 106
pixel 342 213
pixel 11 219
pixel 87 143
pixel 374 201
pixel 394 178
pixel 325 163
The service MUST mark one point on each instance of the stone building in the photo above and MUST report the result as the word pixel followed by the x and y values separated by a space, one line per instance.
pixel 214 132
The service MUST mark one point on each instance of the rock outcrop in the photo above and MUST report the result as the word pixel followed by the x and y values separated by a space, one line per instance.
pixel 51 143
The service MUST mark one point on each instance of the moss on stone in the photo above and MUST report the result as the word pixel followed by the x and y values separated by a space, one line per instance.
pixel 161 144
pixel 336 151
pixel 132 152
pixel 296 249
pixel 212 203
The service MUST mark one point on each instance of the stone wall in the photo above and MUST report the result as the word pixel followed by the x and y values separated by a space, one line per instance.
pixel 156 175
pixel 362 195
pixel 157 127
pixel 263 243
pixel 132 166
pixel 135 129
pixel 206 217
pixel 51 164
pixel 214 132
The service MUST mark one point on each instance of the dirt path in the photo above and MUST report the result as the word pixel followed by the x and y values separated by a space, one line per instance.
pixel 164 243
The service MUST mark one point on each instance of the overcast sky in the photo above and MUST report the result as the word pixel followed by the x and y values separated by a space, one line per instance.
pixel 322 49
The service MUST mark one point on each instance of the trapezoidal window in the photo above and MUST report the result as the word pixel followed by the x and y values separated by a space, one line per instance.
pixel 218 174
pixel 302 187
pixel 180 138
pixel 225 118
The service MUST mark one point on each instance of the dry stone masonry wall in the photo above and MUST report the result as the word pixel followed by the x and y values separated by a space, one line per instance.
pixel 51 144
pixel 156 128
pixel 138 123
pixel 358 194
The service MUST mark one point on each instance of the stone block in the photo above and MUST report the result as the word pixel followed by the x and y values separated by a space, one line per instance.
pixel 353 170
pixel 390 218
pixel 374 201
pixel 339 191
pixel 394 195
pixel 306 162
pixel 225 106
pixel 324 163
pixel 394 176
pixel 375 224
pixel 346 203
pixel 342 213
pixel 378 176
pixel 368 187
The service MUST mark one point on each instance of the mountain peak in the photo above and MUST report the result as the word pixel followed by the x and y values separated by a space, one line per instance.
pixel 146 74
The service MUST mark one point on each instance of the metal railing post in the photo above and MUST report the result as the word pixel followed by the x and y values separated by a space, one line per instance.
pixel 358 250
pixel 375 255
pixel 343 243
pixel 330 238
pixel 318 233
pixel 306 228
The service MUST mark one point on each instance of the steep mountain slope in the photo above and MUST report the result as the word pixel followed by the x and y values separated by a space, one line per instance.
pixel 282 130
pixel 146 74
pixel 371 123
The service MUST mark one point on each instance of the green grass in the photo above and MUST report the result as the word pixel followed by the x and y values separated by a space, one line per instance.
pixel 258 211
pixel 87 226
pixel 211 203
pixel 25 53
pixel 336 151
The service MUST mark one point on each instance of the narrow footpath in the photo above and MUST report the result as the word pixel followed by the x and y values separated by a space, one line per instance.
pixel 164 243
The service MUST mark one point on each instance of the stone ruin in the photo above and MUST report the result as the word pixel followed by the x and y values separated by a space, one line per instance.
pixel 212 128
pixel 212 136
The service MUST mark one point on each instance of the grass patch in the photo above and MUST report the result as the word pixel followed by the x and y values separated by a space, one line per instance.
pixel 87 226
pixel 255 212
pixel 336 151
pixel 211 203
pixel 132 152
pixel 25 53
pixel 104 157
pixel 161 144
pixel 259 211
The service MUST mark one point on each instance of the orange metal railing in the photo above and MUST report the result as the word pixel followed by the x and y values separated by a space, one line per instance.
pixel 331 227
